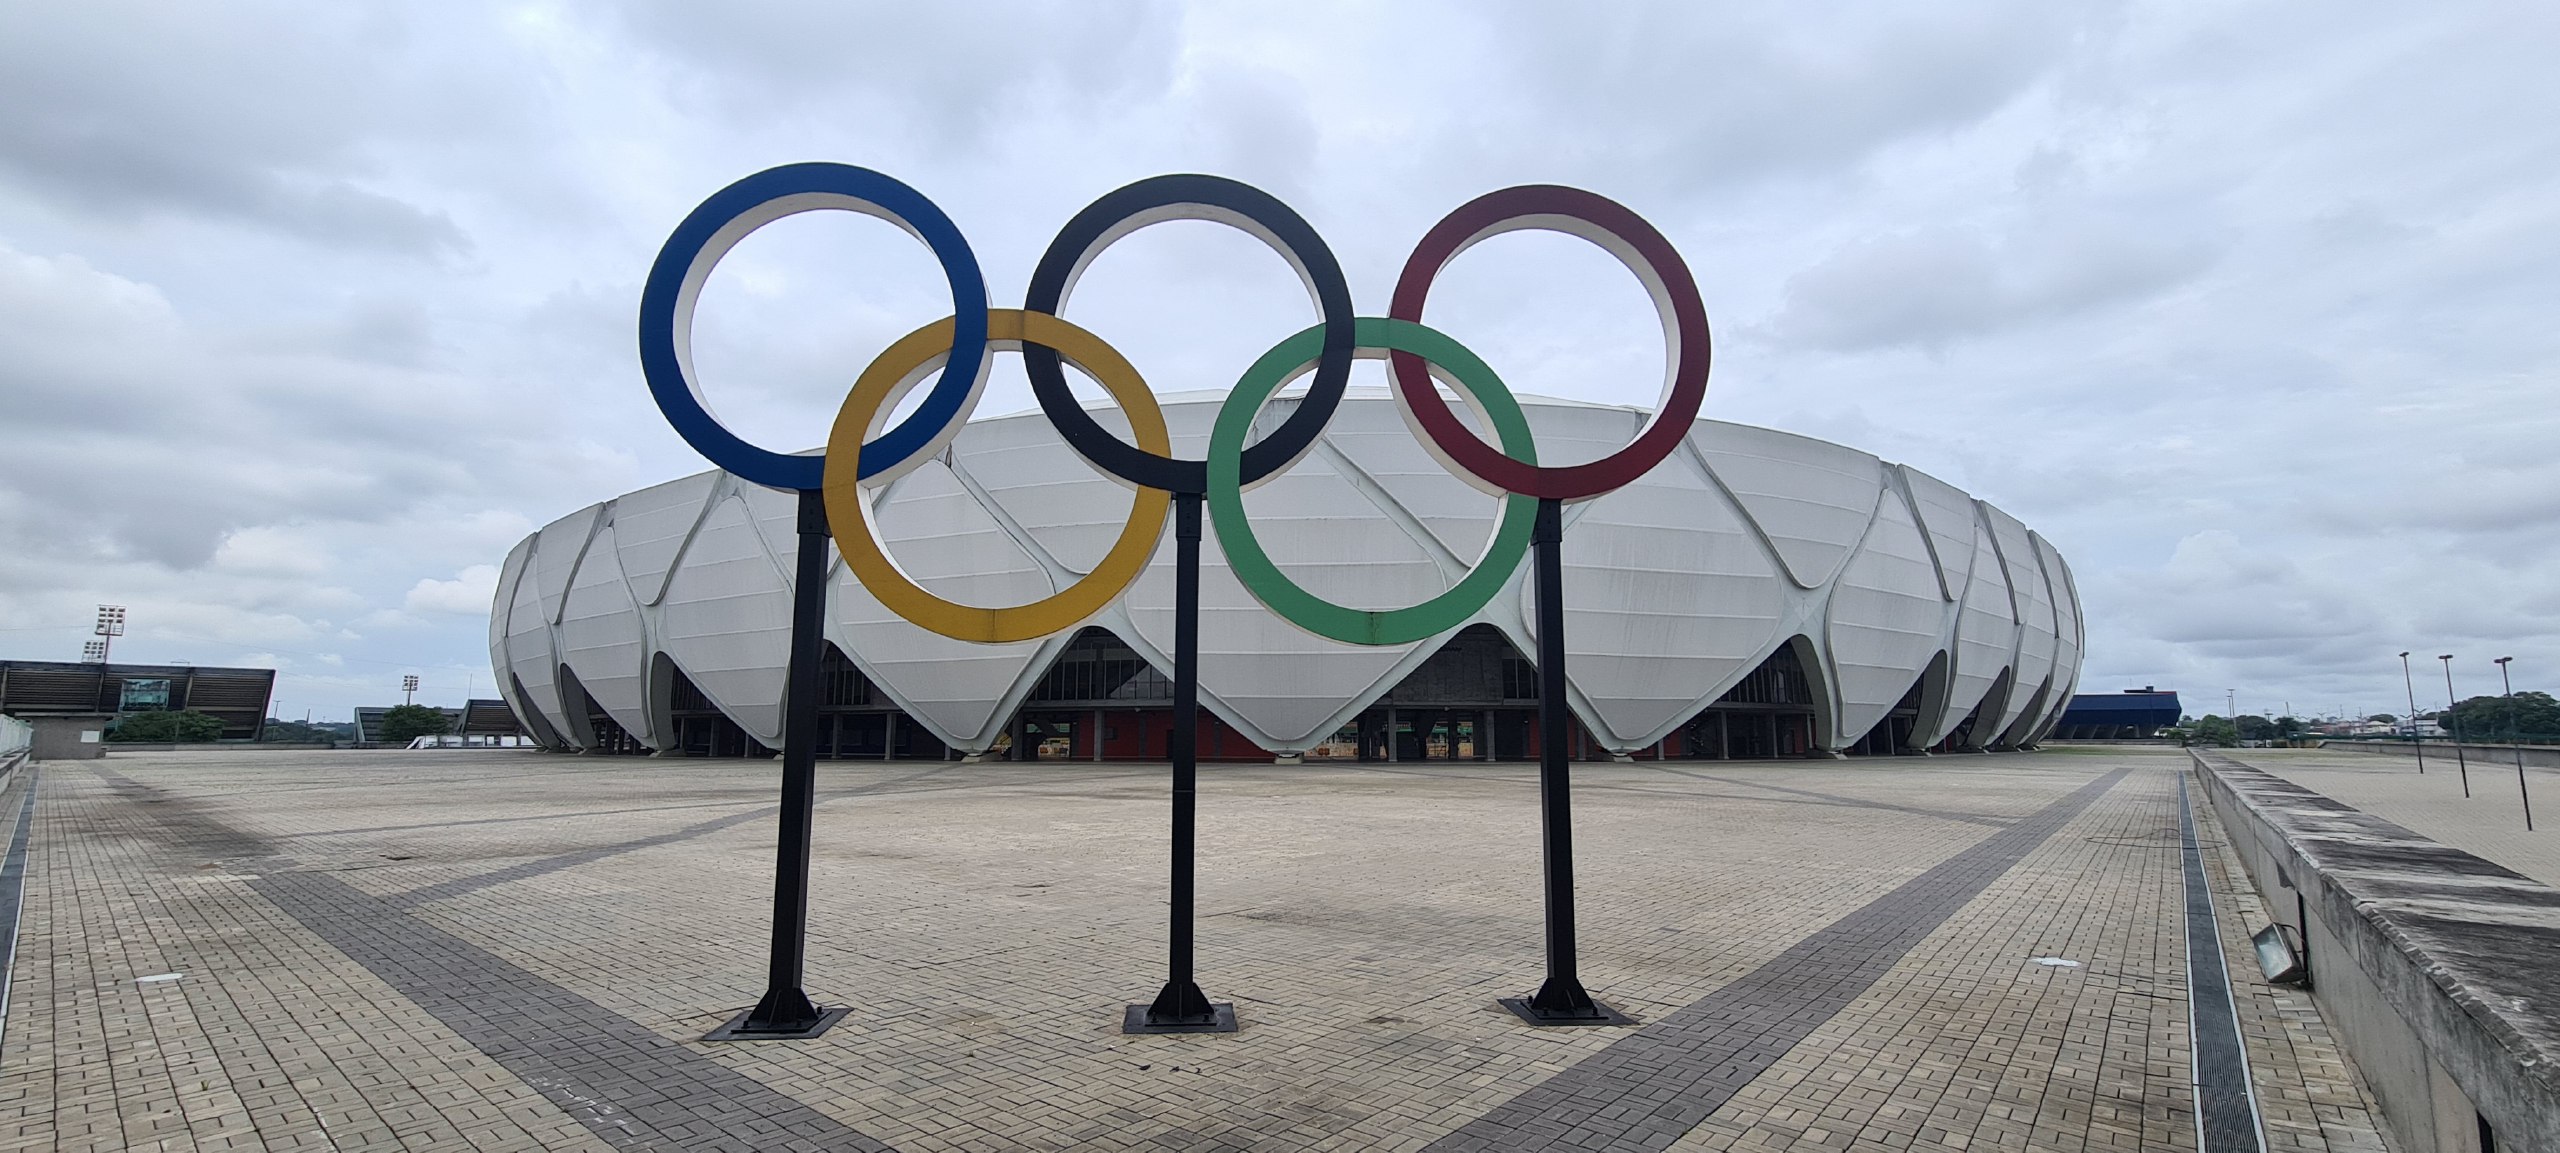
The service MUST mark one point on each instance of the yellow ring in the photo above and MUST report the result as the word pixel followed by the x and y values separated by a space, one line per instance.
pixel 897 369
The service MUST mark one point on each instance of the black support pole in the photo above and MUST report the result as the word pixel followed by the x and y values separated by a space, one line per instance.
pixel 1181 1007
pixel 786 1012
pixel 1561 999
pixel 2461 762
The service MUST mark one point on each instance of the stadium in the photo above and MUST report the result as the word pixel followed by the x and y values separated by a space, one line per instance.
pixel 1757 595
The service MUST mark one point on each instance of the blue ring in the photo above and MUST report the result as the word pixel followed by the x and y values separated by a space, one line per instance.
pixel 940 409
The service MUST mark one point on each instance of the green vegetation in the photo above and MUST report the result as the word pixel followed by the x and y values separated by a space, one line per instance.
pixel 404 723
pixel 294 732
pixel 2533 715
pixel 2213 730
pixel 186 727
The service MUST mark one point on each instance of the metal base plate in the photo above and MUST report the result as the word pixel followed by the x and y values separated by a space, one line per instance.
pixel 1602 1014
pixel 736 1029
pixel 1135 1021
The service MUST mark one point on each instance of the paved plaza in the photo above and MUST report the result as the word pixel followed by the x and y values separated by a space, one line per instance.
pixel 508 951
pixel 2488 824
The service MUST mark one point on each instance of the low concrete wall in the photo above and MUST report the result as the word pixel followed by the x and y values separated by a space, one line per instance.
pixel 17 743
pixel 81 737
pixel 2440 971
pixel 2539 756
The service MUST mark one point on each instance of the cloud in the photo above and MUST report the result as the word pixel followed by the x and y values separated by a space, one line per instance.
pixel 469 593
pixel 1934 285
pixel 307 312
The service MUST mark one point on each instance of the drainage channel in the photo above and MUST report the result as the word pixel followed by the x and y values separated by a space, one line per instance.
pixel 2226 1107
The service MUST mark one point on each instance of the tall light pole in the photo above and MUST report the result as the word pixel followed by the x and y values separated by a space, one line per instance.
pixel 409 689
pixel 2410 683
pixel 2516 740
pixel 2459 761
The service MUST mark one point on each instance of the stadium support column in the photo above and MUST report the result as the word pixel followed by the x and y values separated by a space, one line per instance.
pixel 1561 999
pixel 786 1012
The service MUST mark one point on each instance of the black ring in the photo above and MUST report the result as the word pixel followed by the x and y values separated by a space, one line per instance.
pixel 1166 198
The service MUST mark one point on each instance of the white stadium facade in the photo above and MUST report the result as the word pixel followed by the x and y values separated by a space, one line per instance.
pixel 1759 594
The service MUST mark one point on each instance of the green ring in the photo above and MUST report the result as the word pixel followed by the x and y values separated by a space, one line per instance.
pixel 1273 588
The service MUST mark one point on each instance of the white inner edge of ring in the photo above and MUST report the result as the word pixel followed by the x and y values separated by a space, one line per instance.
pixel 708 257
pixel 1614 245
pixel 1214 214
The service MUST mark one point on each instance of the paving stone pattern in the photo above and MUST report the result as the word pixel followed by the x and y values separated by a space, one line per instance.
pixel 448 950
pixel 2488 824
pixel 1658 1083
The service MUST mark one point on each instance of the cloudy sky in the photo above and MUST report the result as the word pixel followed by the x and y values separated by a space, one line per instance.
pixel 309 312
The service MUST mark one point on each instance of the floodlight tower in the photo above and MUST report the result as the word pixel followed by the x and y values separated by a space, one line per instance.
pixel 93 652
pixel 110 626
pixel 409 689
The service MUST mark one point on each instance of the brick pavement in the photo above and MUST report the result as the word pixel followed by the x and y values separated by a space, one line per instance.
pixel 2488 824
pixel 466 950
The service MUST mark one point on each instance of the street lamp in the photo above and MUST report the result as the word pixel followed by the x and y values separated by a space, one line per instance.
pixel 2459 761
pixel 2411 684
pixel 2516 740
pixel 409 689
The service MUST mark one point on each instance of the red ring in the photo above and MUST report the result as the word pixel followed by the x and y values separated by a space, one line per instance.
pixel 1555 208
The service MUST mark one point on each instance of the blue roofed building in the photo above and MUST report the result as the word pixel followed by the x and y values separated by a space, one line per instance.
pixel 2131 715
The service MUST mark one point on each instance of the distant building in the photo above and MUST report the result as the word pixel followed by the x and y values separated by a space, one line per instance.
pixel 2131 715
pixel 237 697
pixel 477 722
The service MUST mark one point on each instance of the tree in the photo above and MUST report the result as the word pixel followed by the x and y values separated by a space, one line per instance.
pixel 187 726
pixel 2213 730
pixel 2287 728
pixel 293 732
pixel 404 723
pixel 2254 727
pixel 2533 714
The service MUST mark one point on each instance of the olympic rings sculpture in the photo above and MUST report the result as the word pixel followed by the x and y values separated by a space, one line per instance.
pixel 956 351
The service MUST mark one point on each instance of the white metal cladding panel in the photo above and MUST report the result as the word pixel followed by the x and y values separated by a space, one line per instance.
pixel 509 574
pixel 1812 498
pixel 529 655
pixel 1569 433
pixel 650 527
pixel 509 571
pixel 601 639
pixel 1370 433
pixel 1986 636
pixel 2034 662
pixel 1071 511
pixel 2066 612
pixel 555 553
pixel 777 518
pixel 2066 594
pixel 944 540
pixel 1668 601
pixel 1886 615
pixel 727 620
pixel 1273 681
pixel 1947 513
